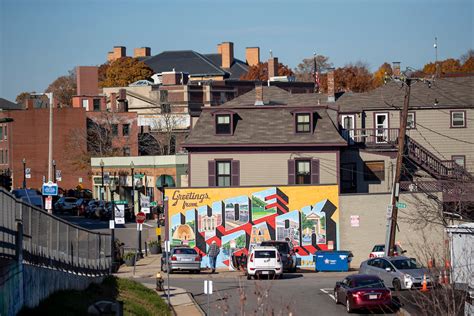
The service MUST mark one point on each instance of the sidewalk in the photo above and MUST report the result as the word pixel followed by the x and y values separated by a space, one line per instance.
pixel 182 302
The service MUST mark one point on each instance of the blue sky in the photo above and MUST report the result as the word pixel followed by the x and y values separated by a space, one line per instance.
pixel 42 39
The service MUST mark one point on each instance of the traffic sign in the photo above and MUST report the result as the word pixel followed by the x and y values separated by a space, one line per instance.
pixel 49 203
pixel 28 173
pixel 401 205
pixel 58 175
pixel 50 188
pixel 389 211
pixel 106 178
pixel 140 217
pixel 207 287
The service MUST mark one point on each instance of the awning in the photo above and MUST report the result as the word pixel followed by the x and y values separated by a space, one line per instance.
pixel 167 179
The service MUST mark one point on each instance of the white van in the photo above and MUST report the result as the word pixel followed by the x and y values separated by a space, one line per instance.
pixel 264 260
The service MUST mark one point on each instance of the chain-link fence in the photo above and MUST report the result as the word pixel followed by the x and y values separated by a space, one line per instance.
pixel 43 239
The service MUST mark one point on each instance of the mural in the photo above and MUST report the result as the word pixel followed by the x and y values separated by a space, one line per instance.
pixel 238 218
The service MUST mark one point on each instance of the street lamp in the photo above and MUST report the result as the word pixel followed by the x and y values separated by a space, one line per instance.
pixel 24 173
pixel 102 182
pixel 112 188
pixel 54 171
pixel 132 166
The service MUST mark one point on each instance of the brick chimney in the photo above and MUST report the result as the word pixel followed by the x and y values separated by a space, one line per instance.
pixel 113 102
pixel 87 80
pixel 272 67
pixel 331 86
pixel 118 52
pixel 142 52
pixel 227 54
pixel 396 69
pixel 219 48
pixel 252 55
pixel 258 94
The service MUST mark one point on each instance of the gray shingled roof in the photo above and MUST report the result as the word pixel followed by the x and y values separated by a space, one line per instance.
pixel 270 124
pixel 237 69
pixel 184 61
pixel 276 96
pixel 455 92
pixel 8 105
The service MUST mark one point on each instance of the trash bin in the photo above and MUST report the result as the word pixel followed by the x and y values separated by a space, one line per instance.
pixel 333 260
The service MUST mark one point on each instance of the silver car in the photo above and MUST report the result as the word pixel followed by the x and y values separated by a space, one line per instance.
pixel 397 272
pixel 182 259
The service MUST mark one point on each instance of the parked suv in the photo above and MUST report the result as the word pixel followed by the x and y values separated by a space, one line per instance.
pixel 264 260
pixel 66 204
pixel 287 254
pixel 379 251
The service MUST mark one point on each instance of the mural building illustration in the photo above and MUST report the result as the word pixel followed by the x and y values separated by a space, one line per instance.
pixel 239 218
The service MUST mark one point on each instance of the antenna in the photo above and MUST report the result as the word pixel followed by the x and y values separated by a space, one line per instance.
pixel 271 54
pixel 435 45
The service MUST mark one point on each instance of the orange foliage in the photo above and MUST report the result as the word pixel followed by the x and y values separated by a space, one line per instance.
pixel 260 72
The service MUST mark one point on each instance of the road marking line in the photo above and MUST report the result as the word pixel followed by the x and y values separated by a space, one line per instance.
pixel 326 291
pixel 147 225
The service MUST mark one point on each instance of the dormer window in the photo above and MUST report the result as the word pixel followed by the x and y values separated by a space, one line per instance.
pixel 303 123
pixel 223 124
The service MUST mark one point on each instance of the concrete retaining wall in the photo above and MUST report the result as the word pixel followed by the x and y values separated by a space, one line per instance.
pixel 26 285
pixel 421 239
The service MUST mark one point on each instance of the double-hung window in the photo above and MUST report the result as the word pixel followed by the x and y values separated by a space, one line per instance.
pixel 303 123
pixel 303 172
pixel 458 119
pixel 223 174
pixel 411 120
pixel 223 124
pixel 126 129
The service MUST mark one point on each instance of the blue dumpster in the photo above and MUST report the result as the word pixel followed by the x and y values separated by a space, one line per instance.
pixel 333 260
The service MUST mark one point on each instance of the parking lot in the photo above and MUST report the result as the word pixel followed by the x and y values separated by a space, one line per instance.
pixel 301 293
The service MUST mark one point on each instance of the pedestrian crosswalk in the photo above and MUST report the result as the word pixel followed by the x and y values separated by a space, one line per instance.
pixel 328 292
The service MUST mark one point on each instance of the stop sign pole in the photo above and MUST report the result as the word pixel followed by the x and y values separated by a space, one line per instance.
pixel 140 218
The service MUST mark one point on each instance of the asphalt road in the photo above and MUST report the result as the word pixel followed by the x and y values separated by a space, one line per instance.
pixel 296 293
pixel 127 233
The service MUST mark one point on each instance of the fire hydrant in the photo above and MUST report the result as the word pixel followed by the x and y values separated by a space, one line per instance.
pixel 159 282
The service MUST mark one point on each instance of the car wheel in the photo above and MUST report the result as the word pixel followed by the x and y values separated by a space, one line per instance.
pixel 349 308
pixel 397 285
pixel 249 277
pixel 336 297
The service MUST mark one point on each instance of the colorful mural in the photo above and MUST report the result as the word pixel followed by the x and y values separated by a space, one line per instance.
pixel 238 218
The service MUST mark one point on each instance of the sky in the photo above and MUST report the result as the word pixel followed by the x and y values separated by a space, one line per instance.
pixel 41 40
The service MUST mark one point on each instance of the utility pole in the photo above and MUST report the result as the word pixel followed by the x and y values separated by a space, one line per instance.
pixel 392 218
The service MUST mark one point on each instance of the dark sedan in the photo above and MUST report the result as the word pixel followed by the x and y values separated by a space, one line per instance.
pixel 363 291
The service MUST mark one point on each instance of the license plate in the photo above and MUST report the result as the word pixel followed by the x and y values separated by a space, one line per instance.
pixel 264 272
pixel 186 260
pixel 372 297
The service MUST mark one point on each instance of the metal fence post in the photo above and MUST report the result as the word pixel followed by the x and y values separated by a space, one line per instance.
pixel 19 241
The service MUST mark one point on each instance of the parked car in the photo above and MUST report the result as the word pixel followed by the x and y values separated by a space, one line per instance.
pixel 362 291
pixel 66 204
pixel 287 253
pixel 81 204
pixel 397 272
pixel 379 251
pixel 182 258
pixel 29 196
pixel 89 211
pixel 264 260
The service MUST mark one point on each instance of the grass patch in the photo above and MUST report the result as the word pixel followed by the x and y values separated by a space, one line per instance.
pixel 137 299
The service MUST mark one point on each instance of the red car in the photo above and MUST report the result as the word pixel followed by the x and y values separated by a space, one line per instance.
pixel 362 291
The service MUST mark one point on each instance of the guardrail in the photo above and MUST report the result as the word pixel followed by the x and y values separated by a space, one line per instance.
pixel 36 237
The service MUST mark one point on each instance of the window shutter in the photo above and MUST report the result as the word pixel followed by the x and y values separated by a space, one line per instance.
pixel 314 171
pixel 211 171
pixel 235 172
pixel 291 171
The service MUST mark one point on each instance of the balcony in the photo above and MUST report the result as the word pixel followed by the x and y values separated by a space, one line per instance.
pixel 376 138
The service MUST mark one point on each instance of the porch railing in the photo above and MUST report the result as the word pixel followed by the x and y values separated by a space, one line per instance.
pixel 371 136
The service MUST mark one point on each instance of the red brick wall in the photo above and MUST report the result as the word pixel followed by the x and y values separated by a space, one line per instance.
pixel 29 137
pixel 87 80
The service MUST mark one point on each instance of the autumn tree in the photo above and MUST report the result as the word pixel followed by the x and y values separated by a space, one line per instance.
pixel 305 70
pixel 126 70
pixel 22 97
pixel 468 65
pixel 63 89
pixel 102 72
pixel 379 76
pixel 447 66
pixel 260 72
pixel 464 57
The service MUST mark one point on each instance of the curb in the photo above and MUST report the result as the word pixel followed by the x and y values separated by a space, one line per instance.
pixel 197 305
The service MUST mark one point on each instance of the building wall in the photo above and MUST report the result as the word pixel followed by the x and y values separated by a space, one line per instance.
pixel 418 240
pixel 29 140
pixel 433 131
pixel 261 168
pixel 359 157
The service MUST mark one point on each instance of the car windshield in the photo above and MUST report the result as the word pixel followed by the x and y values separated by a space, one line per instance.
pixel 371 283
pixel 184 251
pixel 378 248
pixel 406 264
pixel 281 246
pixel 264 254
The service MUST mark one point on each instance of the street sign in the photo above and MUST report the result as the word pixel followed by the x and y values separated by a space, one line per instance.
pixel 154 203
pixel 58 175
pixel 119 214
pixel 50 188
pixel 401 205
pixel 28 173
pixel 106 178
pixel 145 204
pixel 140 217
pixel 158 231
pixel 207 287
pixel 49 203
pixel 121 202
pixel 389 211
